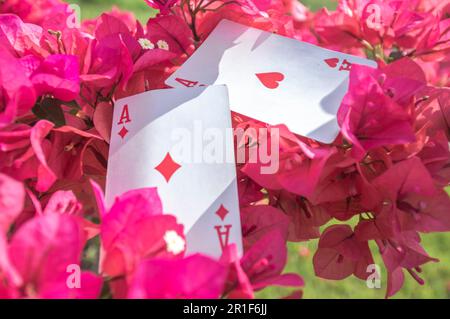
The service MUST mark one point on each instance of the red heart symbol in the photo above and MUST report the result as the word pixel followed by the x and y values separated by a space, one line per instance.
pixel 271 79
pixel 333 62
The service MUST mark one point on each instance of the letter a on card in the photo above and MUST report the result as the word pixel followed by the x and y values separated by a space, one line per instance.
pixel 125 115
pixel 201 194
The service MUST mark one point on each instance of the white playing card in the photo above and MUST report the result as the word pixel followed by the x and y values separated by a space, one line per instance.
pixel 180 141
pixel 272 78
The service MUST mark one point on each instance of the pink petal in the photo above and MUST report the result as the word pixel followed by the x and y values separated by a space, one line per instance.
pixel 99 198
pixel 6 266
pixel 63 202
pixel 58 75
pixel 134 228
pixel 266 258
pixel 259 220
pixel 43 248
pixel 171 29
pixel 284 280
pixel 103 120
pixel 46 177
pixel 12 196
pixel 17 36
pixel 194 277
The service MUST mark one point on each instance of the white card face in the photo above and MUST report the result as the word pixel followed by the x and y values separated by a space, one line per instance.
pixel 272 78
pixel 180 141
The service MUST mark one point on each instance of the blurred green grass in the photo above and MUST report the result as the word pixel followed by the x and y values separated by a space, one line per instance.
pixel 92 8
pixel 437 276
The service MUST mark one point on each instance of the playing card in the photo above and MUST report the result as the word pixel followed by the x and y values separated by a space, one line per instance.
pixel 272 78
pixel 180 141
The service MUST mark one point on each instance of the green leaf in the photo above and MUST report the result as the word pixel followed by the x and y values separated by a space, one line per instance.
pixel 50 109
pixel 73 104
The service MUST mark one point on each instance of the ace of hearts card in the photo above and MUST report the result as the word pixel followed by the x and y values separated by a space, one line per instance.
pixel 273 79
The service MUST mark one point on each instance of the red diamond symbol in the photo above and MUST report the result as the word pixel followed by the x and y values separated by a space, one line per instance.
pixel 222 212
pixel 123 132
pixel 167 167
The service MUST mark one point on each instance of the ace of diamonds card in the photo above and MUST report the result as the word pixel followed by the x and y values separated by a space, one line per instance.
pixel 179 141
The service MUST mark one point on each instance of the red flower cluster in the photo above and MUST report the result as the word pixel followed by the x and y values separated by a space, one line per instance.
pixel 382 179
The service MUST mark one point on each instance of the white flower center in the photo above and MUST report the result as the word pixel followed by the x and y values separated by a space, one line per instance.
pixel 175 244
pixel 163 45
pixel 146 44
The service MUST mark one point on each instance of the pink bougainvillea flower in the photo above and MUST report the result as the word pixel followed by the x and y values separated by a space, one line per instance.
pixel 111 61
pixel 401 80
pixel 17 94
pixel 249 134
pixel 272 16
pixel 169 33
pixel 134 228
pixel 164 41
pixel 298 10
pixel 61 35
pixel 420 205
pixel 82 196
pixel 375 111
pixel 265 261
pixel 103 118
pixel 259 220
pixel 433 110
pixel 133 50
pixel 69 147
pixel 425 214
pixel 410 202
pixel 255 7
pixel 233 12
pixel 23 153
pixel 437 72
pixel 9 278
pixel 108 24
pixel 162 5
pixel 338 193
pixel 65 202
pixel 42 250
pixel 58 75
pixel 435 155
pixel 300 173
pixel 299 165
pixel 261 266
pixel 151 57
pixel 193 277
pixel 305 218
pixel 378 19
pixel 34 11
pixel 434 43
pixel 340 254
pixel 368 24
pixel 238 285
pixel 19 38
pixel 404 252
pixel 338 26
pixel 249 191
pixel 12 197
